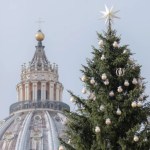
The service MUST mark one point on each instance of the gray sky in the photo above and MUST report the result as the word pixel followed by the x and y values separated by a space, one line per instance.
pixel 70 30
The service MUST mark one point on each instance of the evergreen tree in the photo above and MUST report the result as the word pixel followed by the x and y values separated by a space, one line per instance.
pixel 114 116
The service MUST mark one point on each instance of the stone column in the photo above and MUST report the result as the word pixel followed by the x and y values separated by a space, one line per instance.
pixel 43 90
pixel 61 91
pixel 20 92
pixel 18 97
pixel 27 91
pixel 34 91
pixel 57 92
pixel 51 90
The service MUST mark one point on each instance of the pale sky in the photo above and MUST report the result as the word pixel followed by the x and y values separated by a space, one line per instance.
pixel 70 29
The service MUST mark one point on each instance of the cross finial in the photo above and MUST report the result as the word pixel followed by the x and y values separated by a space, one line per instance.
pixel 40 21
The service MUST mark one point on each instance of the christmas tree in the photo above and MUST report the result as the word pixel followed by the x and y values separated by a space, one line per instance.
pixel 114 116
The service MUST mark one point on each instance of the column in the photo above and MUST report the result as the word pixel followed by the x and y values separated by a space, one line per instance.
pixel 57 91
pixel 27 91
pixel 61 91
pixel 34 91
pixel 18 97
pixel 43 90
pixel 51 90
pixel 20 93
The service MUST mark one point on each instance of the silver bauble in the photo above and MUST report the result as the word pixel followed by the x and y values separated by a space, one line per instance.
pixel 115 44
pixel 136 138
pixel 108 121
pixel 126 83
pixel 134 104
pixel 104 76
pixel 97 129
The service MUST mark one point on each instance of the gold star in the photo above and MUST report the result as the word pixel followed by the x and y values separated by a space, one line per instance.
pixel 109 14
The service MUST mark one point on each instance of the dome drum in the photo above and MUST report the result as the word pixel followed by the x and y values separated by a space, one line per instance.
pixel 30 105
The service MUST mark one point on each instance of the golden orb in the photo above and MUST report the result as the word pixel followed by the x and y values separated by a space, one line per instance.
pixel 39 36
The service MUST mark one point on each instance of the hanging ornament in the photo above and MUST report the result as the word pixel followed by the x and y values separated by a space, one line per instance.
pixel 125 51
pixel 120 72
pixel 115 44
pixel 136 138
pixel 102 108
pixel 108 121
pixel 92 96
pixel 120 89
pixel 72 99
pixel 84 78
pixel 101 43
pixel 61 147
pixel 118 112
pixel 134 81
pixel 83 91
pixel 92 81
pixel 97 129
pixel 104 77
pixel 133 104
pixel 106 82
pixel 126 83
pixel 69 141
pixel 111 93
pixel 139 104
pixel 103 57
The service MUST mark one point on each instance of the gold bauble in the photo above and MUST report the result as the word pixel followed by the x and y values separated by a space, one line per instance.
pixel 39 36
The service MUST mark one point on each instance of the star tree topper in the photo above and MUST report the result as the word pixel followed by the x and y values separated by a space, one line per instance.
pixel 109 14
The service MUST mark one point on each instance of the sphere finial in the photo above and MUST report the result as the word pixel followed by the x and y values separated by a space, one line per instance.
pixel 39 36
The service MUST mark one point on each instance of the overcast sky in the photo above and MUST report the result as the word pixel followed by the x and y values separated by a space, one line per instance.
pixel 70 29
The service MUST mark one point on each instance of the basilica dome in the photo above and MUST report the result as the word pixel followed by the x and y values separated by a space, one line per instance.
pixel 36 121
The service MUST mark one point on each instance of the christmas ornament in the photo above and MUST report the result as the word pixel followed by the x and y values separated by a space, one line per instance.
pixel 106 82
pixel 133 104
pixel 108 121
pixel 97 129
pixel 69 141
pixel 120 89
pixel 125 51
pixel 92 81
pixel 92 96
pixel 115 44
pixel 118 112
pixel 136 138
pixel 120 72
pixel 83 91
pixel 102 108
pixel 101 43
pixel 72 99
pixel 61 147
pixel 84 78
pixel 111 93
pixel 139 104
pixel 109 14
pixel 104 77
pixel 134 81
pixel 103 57
pixel 126 83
